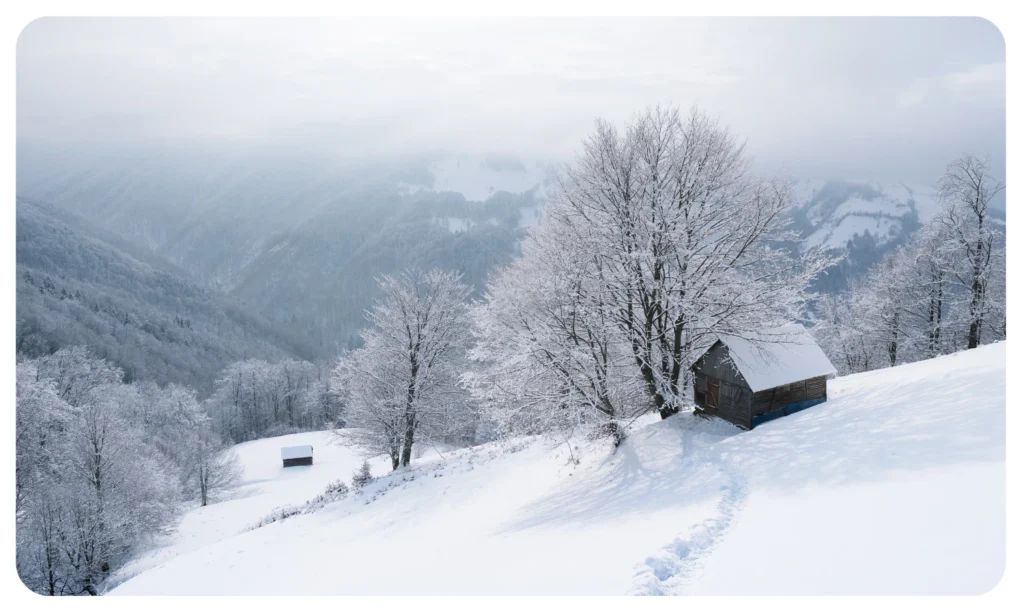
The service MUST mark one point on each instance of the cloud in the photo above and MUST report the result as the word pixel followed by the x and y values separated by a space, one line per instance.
pixel 985 79
pixel 817 96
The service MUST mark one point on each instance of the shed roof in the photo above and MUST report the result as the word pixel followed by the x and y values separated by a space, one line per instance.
pixel 299 451
pixel 778 356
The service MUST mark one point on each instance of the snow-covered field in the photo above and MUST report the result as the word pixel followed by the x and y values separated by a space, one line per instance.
pixel 893 486
pixel 265 486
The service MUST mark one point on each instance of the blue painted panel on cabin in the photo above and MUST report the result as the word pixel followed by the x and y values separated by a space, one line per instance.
pixel 788 409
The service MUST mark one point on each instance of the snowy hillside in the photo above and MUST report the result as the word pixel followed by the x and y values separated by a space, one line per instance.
pixel 836 212
pixel 895 485
pixel 265 486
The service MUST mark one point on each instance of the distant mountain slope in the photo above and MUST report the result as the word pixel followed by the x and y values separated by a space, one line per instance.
pixel 76 285
pixel 299 240
pixel 321 273
pixel 862 220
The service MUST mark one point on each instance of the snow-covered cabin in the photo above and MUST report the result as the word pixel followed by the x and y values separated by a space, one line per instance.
pixel 749 381
pixel 300 455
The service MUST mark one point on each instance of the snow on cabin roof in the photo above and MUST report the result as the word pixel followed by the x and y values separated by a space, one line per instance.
pixel 781 355
pixel 300 451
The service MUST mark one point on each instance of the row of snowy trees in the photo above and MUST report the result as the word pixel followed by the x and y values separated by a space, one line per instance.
pixel 657 240
pixel 103 466
pixel 255 399
pixel 944 291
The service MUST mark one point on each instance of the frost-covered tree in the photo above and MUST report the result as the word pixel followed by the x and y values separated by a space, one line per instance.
pixel 41 415
pixel 402 385
pixel 840 331
pixel 930 296
pixel 207 466
pixel 74 373
pixel 362 476
pixel 886 314
pixel 967 189
pixel 214 468
pixel 687 242
pixel 902 311
pixel 121 490
pixel 548 354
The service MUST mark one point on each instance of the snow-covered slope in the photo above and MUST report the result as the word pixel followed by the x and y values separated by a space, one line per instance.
pixel 836 211
pixel 265 486
pixel 895 485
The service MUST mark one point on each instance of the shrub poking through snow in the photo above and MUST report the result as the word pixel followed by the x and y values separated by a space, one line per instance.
pixel 362 476
pixel 336 489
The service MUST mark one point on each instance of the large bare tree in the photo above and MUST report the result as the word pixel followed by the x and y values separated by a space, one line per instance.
pixel 688 241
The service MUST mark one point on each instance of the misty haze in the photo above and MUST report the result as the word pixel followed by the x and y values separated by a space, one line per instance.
pixel 510 306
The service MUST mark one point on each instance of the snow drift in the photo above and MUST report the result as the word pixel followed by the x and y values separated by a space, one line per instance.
pixel 894 486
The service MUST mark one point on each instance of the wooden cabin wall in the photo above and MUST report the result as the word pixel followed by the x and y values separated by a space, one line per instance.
pixel 817 387
pixel 734 394
pixel 769 400
pixel 734 404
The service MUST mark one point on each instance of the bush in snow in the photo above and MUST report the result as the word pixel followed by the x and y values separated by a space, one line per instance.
pixel 336 488
pixel 362 476
pixel 335 491
pixel 610 430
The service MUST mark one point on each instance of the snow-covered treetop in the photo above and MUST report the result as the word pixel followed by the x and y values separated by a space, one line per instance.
pixel 778 356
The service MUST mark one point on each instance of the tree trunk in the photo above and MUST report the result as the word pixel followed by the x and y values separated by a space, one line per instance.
pixel 410 411
pixel 407 446
pixel 974 334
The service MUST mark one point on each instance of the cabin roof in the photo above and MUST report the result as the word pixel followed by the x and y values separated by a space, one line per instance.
pixel 299 451
pixel 778 356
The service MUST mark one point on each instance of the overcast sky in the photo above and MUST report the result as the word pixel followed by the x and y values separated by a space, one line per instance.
pixel 881 99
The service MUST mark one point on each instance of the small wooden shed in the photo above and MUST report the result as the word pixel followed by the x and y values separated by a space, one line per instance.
pixel 300 455
pixel 749 381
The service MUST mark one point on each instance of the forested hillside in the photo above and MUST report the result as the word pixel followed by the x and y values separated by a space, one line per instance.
pixel 77 287
pixel 298 238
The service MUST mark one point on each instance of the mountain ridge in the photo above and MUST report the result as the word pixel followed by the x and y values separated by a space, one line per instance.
pixel 76 288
